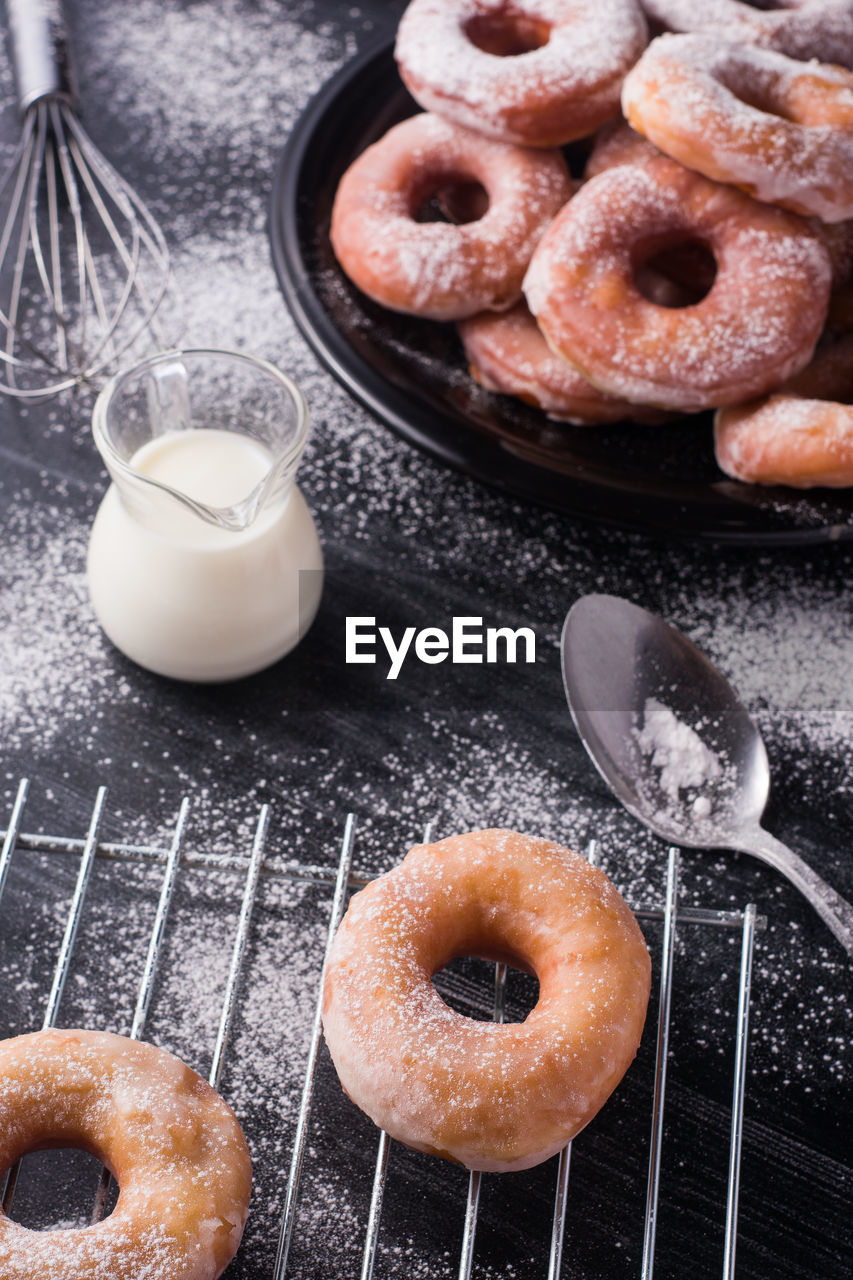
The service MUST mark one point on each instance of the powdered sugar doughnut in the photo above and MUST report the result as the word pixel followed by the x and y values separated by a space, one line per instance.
pixel 534 72
pixel 786 440
pixel 804 29
pixel 487 1095
pixel 801 436
pixel 507 353
pixel 437 269
pixel 173 1146
pixel 779 129
pixel 758 325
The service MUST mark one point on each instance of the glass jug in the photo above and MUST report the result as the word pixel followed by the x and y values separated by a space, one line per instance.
pixel 204 562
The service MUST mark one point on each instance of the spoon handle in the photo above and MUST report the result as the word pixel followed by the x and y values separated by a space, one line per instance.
pixel 834 910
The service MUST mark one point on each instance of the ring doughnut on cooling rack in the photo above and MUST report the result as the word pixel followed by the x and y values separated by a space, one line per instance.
pixel 174 1146
pixel 665 921
pixel 496 1098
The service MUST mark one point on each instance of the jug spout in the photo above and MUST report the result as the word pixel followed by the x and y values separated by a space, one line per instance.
pixel 219 449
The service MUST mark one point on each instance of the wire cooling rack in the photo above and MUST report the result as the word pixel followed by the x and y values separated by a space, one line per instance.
pixel 174 856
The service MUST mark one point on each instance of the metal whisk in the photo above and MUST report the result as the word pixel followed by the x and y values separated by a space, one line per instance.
pixel 83 264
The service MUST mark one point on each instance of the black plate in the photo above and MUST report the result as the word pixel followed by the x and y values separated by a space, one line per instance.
pixel 411 373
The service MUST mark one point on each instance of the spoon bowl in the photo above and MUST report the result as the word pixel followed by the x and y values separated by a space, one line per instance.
pixel 669 736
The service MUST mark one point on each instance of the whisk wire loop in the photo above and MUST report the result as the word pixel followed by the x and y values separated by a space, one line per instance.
pixel 84 265
pixel 23 218
pixel 146 237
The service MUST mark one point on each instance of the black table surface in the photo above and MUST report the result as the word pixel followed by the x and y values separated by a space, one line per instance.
pixel 193 102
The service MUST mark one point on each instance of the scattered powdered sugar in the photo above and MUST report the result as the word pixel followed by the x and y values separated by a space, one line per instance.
pixel 55 672
pixel 216 74
pixel 789 657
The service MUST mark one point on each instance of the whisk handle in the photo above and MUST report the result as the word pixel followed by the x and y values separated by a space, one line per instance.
pixel 39 39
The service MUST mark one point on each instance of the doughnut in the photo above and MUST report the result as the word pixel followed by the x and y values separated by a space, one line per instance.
pixel 757 326
pixel 786 440
pixel 803 29
pixel 440 270
pixel 173 1146
pixel 491 1096
pixel 507 353
pixel 781 130
pixel 534 72
pixel 802 436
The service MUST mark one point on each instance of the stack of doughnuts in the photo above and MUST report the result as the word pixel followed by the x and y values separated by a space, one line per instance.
pixel 702 260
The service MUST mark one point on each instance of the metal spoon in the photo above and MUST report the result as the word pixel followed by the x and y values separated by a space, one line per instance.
pixel 616 658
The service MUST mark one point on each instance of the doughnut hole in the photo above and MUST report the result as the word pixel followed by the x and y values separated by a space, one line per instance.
pixel 467 985
pixel 448 197
pixel 802 100
pixel 674 272
pixel 56 1189
pixel 464 202
pixel 506 34
pixel 762 94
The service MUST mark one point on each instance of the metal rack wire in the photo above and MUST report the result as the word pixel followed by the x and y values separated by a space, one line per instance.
pixel 342 880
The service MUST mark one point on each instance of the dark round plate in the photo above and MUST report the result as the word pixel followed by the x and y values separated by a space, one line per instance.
pixel 412 375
